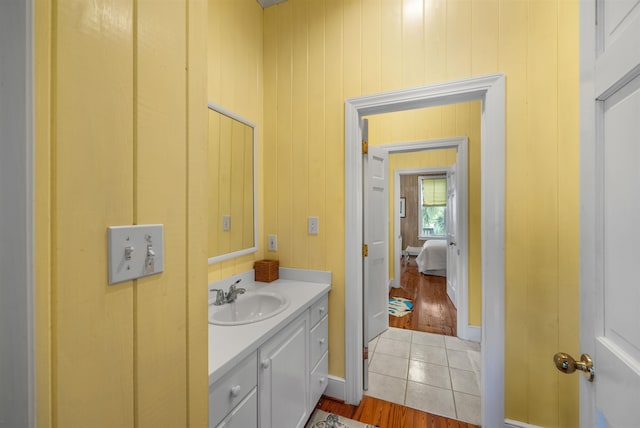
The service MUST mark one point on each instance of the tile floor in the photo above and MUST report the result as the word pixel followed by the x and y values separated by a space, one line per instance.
pixel 429 372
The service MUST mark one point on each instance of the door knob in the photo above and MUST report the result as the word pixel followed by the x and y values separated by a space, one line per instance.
pixel 567 364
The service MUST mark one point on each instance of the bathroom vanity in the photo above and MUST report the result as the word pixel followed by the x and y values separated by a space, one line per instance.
pixel 271 373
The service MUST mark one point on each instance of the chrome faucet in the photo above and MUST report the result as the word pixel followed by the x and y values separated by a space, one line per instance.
pixel 220 297
pixel 233 292
pixel 229 296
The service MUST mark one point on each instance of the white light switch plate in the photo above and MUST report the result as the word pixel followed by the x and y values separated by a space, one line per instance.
pixel 272 242
pixel 135 251
pixel 313 225
pixel 226 223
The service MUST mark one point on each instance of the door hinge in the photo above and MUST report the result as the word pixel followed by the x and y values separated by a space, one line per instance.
pixel 365 352
pixel 365 250
pixel 365 147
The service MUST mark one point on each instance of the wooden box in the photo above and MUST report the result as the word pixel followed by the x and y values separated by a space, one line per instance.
pixel 266 270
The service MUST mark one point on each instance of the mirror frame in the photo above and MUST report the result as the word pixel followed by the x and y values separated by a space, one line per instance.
pixel 254 248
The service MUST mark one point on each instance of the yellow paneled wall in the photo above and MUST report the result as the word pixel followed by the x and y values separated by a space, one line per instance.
pixel 317 53
pixel 120 140
pixel 235 76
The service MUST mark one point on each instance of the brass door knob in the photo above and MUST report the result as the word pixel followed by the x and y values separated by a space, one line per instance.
pixel 567 364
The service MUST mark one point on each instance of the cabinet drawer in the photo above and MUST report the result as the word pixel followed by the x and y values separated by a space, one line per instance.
pixel 319 379
pixel 319 310
pixel 229 391
pixel 319 341
pixel 245 415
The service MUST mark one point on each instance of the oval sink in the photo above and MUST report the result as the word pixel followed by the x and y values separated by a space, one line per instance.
pixel 248 308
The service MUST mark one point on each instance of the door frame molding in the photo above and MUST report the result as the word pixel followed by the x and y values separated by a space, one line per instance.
pixel 461 144
pixel 17 161
pixel 490 90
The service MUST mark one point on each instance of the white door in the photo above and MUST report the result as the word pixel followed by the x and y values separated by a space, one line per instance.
pixel 376 235
pixel 610 202
pixel 452 235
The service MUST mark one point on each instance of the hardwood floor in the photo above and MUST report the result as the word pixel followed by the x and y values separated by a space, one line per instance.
pixel 432 312
pixel 388 415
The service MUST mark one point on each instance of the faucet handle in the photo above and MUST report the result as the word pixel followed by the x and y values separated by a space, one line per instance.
pixel 220 297
pixel 233 286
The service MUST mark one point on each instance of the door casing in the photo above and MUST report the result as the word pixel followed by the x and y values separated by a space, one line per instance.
pixel 490 90
pixel 461 145
pixel 17 195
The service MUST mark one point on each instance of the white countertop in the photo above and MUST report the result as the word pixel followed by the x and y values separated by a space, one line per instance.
pixel 229 345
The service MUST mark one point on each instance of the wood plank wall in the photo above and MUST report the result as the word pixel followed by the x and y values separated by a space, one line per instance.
pixel 409 224
pixel 121 137
pixel 320 52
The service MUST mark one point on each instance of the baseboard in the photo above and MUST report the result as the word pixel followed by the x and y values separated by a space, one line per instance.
pixel 451 292
pixel 470 332
pixel 509 423
pixel 474 333
pixel 336 388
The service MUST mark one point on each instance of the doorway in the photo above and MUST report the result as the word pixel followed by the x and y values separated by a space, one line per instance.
pixel 419 361
pixel 490 90
pixel 460 144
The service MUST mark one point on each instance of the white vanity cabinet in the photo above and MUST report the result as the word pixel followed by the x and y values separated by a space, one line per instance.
pixel 283 379
pixel 233 399
pixel 279 379
pixel 319 349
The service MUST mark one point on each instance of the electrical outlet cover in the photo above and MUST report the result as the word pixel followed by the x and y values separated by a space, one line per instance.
pixel 272 243
pixel 313 225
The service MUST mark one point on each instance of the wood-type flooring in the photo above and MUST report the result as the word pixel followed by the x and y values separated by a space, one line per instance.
pixel 388 415
pixel 434 313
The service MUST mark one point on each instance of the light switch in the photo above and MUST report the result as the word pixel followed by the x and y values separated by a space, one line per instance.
pixel 135 251
pixel 226 223
pixel 313 225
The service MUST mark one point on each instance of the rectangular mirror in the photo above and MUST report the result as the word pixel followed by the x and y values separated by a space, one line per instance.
pixel 232 215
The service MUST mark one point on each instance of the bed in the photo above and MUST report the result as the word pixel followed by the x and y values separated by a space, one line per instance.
pixel 432 259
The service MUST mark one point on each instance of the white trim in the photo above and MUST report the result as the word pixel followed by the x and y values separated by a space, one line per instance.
pixel 335 388
pixel 232 115
pixel 472 333
pixel 31 221
pixel 589 251
pixel 17 194
pixel 491 91
pixel 250 250
pixel 451 292
pixel 510 423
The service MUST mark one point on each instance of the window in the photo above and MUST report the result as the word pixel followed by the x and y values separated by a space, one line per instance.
pixel 433 206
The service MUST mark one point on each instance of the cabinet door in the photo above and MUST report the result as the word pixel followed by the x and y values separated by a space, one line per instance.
pixel 283 384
